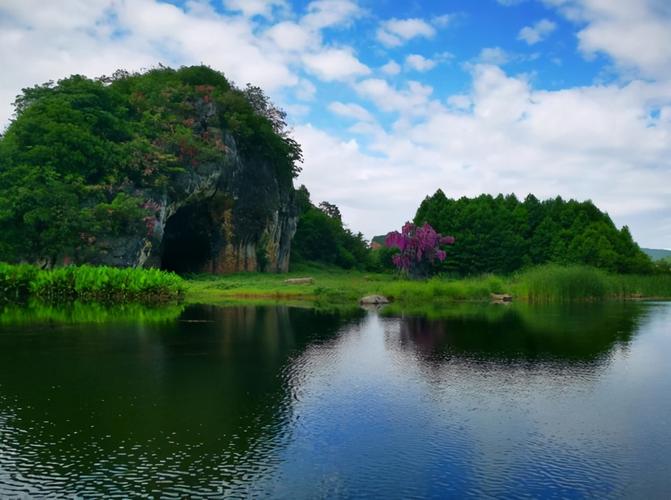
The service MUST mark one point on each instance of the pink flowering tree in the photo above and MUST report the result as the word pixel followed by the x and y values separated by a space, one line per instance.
pixel 419 248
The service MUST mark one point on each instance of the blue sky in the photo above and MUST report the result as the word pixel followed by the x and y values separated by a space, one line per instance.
pixel 393 100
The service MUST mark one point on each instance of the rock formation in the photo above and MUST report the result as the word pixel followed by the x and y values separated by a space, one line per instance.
pixel 225 216
pixel 176 169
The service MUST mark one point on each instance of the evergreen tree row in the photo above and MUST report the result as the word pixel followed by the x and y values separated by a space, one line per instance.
pixel 503 234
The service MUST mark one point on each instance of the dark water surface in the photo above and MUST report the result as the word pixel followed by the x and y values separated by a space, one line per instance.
pixel 295 403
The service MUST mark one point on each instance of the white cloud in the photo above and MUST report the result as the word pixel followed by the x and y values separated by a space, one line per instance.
pixel 351 110
pixel 325 13
pixel 419 62
pixel 251 8
pixel 594 142
pixel 334 64
pixel 99 36
pixel 635 33
pixel 493 55
pixel 395 32
pixel 391 68
pixel 305 90
pixel 538 32
pixel 292 36
pixel 413 100
pixel 460 102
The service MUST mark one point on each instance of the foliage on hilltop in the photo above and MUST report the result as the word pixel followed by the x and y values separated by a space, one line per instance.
pixel 503 234
pixel 80 154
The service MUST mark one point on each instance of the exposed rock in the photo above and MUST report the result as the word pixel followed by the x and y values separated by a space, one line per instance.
pixel 501 298
pixel 373 300
pixel 233 214
pixel 299 281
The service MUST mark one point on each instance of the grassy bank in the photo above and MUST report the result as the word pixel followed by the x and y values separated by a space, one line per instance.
pixel 541 284
pixel 20 283
pixel 330 286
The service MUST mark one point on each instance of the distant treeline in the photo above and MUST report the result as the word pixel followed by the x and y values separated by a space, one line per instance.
pixel 503 234
pixel 322 237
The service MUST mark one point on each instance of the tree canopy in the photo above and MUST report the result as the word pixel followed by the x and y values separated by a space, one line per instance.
pixel 322 237
pixel 503 234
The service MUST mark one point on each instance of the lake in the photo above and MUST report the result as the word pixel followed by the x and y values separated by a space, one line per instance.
pixel 482 401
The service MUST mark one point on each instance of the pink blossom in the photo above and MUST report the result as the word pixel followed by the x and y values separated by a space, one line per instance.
pixel 419 247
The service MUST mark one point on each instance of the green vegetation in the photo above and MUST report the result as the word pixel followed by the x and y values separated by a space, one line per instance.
pixel 657 253
pixel 19 283
pixel 322 238
pixel 333 286
pixel 83 159
pixel 504 235
pixel 90 312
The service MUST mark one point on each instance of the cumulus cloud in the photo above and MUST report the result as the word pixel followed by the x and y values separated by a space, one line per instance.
pixel 99 36
pixel 493 55
pixel 592 142
pixel 395 32
pixel 334 64
pixel 418 62
pixel 538 32
pixel 635 33
pixel 351 110
pixel 324 13
pixel 391 68
pixel 251 8
pixel 414 99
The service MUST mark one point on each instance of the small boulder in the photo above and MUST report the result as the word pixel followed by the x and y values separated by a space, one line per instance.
pixel 501 298
pixel 373 300
pixel 299 281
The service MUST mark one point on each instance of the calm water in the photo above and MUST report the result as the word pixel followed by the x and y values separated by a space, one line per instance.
pixel 293 403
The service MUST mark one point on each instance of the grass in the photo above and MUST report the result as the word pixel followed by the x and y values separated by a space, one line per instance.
pixel 331 286
pixel 19 283
pixel 549 283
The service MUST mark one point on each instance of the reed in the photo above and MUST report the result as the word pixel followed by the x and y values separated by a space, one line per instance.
pixel 88 284
pixel 553 283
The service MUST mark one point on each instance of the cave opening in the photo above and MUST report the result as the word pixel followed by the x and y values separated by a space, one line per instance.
pixel 187 240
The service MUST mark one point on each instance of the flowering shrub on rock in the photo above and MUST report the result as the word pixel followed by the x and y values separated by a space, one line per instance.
pixel 419 248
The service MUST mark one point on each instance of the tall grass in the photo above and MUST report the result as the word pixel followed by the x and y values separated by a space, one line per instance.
pixel 15 281
pixel 440 289
pixel 88 283
pixel 554 283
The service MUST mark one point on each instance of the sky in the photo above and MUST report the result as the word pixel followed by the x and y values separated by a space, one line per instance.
pixel 392 100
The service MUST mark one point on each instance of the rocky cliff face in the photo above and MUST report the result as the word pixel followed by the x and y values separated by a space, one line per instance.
pixel 229 215
pixel 170 168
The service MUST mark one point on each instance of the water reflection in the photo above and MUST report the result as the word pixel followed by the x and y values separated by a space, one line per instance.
pixel 580 332
pixel 192 405
pixel 36 312
pixel 297 403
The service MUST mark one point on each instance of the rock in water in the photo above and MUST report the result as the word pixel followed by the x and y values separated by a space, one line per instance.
pixel 373 300
pixel 501 298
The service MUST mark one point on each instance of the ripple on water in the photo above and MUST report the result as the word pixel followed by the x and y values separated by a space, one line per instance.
pixel 361 409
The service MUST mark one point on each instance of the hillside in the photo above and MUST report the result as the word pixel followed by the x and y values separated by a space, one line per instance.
pixel 657 253
pixel 503 234
pixel 168 168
